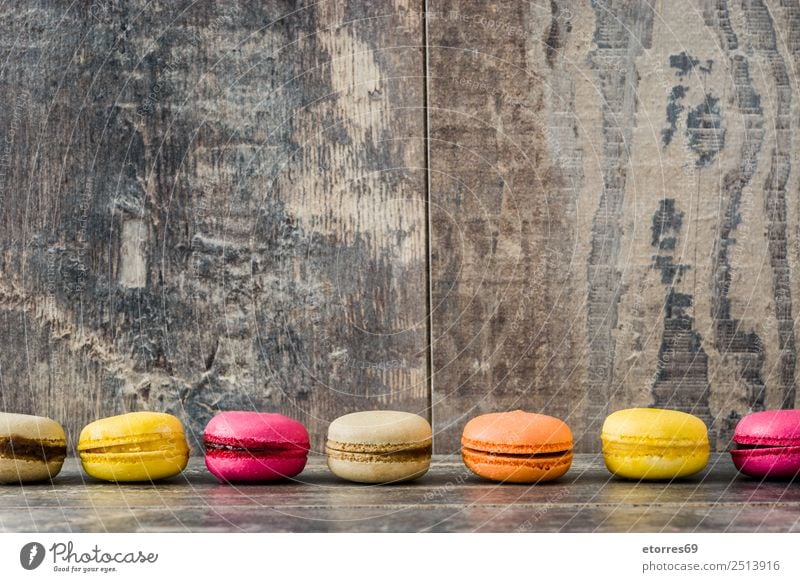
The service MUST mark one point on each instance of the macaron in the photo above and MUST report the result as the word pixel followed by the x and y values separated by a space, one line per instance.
pixel 32 448
pixel 255 446
pixel 654 444
pixel 767 444
pixel 382 446
pixel 138 446
pixel 517 447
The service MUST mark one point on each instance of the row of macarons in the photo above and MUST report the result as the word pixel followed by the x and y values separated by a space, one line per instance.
pixel 390 446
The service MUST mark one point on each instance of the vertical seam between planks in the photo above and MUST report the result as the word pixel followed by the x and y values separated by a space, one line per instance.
pixel 428 214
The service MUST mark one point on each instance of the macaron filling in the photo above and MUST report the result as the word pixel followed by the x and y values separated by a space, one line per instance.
pixel 27 449
pixel 744 450
pixel 636 447
pixel 360 452
pixel 155 444
pixel 516 456
pixel 751 447
pixel 765 444
pixel 221 448
pixel 517 451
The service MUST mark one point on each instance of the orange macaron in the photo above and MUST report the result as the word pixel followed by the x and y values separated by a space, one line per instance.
pixel 518 447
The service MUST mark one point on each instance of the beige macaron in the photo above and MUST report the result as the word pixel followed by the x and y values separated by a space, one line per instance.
pixel 32 448
pixel 381 446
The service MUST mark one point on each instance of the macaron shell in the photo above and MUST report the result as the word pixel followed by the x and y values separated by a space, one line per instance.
pixel 24 471
pixel 517 432
pixel 778 463
pixel 515 470
pixel 245 429
pixel 653 424
pixel 380 427
pixel 769 427
pixel 37 430
pixel 655 463
pixel 128 428
pixel 135 466
pixel 243 468
pixel 33 427
pixel 370 470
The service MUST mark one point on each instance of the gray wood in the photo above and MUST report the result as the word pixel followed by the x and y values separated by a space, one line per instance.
pixel 506 330
pixel 212 206
pixel 614 209
pixel 448 498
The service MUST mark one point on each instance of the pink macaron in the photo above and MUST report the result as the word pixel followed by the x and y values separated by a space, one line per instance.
pixel 255 446
pixel 767 444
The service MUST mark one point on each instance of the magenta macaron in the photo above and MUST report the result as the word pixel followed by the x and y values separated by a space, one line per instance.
pixel 255 446
pixel 767 444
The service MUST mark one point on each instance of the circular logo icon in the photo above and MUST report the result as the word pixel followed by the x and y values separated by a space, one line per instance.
pixel 31 555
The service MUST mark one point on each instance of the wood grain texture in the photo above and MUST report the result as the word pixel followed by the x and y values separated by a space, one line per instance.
pixel 506 272
pixel 615 216
pixel 448 499
pixel 212 206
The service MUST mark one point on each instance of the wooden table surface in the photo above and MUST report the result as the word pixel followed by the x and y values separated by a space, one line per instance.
pixel 448 207
pixel 448 499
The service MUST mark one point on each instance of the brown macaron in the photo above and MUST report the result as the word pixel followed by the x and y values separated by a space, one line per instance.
pixel 381 446
pixel 32 448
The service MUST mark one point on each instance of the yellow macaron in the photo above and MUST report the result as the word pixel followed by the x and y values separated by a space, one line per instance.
pixel 138 446
pixel 652 443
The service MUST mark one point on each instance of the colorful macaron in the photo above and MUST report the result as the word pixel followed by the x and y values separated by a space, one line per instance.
pixel 138 446
pixel 255 446
pixel 654 444
pixel 517 447
pixel 382 446
pixel 767 444
pixel 32 448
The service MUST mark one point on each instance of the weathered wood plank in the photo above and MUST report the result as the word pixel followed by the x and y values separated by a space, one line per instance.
pixel 209 207
pixel 615 218
pixel 212 206
pixel 403 519
pixel 448 498
pixel 505 272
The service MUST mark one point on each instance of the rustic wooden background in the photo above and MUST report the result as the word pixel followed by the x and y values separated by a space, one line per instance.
pixel 445 207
